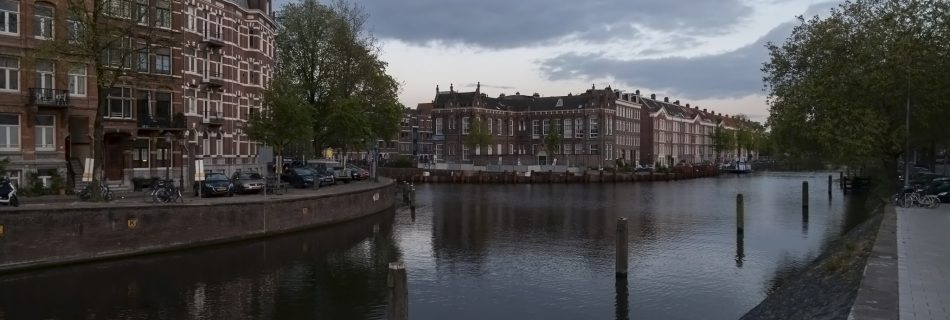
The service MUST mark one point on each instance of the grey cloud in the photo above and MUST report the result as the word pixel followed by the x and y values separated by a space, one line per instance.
pixel 510 24
pixel 491 86
pixel 728 75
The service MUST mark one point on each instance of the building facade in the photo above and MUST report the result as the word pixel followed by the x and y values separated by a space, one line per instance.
pixel 190 86
pixel 518 126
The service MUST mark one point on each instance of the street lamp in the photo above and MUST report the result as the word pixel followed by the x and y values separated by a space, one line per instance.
pixel 169 138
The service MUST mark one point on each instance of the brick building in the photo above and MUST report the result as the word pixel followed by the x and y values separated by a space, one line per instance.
pixel 195 85
pixel 518 124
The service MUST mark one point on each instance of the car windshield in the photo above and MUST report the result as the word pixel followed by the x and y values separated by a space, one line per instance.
pixel 302 171
pixel 249 176
pixel 216 177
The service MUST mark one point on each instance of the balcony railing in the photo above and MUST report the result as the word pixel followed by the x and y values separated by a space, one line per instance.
pixel 49 97
pixel 213 118
pixel 212 79
pixel 213 39
pixel 150 121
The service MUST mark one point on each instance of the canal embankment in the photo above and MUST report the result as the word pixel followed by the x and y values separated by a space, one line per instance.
pixel 420 175
pixel 828 286
pixel 42 236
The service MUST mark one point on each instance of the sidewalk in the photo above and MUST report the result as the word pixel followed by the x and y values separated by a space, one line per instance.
pixel 139 198
pixel 923 251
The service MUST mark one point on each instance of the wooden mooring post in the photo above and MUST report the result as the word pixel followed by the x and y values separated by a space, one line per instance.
pixel 740 214
pixel 804 194
pixel 829 186
pixel 398 292
pixel 622 247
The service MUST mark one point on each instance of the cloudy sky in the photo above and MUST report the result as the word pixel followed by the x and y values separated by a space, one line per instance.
pixel 705 52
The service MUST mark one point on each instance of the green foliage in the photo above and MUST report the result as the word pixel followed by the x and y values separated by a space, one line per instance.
pixel 553 139
pixel 326 53
pixel 839 86
pixel 3 165
pixel 402 161
pixel 722 140
pixel 35 185
pixel 478 135
pixel 283 119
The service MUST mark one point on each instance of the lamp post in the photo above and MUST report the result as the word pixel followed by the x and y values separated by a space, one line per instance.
pixel 907 143
pixel 169 138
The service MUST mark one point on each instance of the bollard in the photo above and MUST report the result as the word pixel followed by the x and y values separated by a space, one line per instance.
pixel 740 214
pixel 398 292
pixel 841 178
pixel 622 247
pixel 829 185
pixel 412 197
pixel 622 299
pixel 804 194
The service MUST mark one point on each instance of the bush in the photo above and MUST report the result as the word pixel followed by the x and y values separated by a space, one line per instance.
pixel 35 185
pixel 402 162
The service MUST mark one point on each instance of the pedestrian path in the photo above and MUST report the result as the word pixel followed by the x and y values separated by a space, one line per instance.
pixel 923 250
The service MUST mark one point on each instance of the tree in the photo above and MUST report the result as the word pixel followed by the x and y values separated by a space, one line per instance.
pixel 108 36
pixel 327 53
pixel 839 87
pixel 478 136
pixel 553 139
pixel 723 140
pixel 283 119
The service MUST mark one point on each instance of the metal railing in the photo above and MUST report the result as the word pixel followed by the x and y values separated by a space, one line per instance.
pixel 49 97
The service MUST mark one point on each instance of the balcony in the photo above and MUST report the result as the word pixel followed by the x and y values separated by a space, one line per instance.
pixel 158 122
pixel 212 80
pixel 49 97
pixel 213 119
pixel 213 39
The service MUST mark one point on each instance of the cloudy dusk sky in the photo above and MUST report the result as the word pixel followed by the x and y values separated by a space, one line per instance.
pixel 704 52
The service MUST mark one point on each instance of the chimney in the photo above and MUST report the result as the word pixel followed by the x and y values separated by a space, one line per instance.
pixel 666 99
pixel 704 110
pixel 638 92
pixel 677 102
pixel 653 96
pixel 720 114
pixel 687 105
pixel 536 95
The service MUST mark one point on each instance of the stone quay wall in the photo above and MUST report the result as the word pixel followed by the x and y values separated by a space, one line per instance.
pixel 37 238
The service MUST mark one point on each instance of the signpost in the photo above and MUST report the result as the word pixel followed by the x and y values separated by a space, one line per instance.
pixel 199 174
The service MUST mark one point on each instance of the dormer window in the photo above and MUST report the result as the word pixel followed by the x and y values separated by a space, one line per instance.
pixel 560 103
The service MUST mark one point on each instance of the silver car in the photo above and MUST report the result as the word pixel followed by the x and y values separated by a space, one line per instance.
pixel 247 182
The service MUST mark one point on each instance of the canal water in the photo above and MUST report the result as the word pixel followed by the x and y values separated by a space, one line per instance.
pixel 481 252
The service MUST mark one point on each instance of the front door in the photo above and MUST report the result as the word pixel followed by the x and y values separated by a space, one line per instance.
pixel 114 162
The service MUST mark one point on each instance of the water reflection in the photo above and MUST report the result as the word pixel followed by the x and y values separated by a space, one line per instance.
pixel 288 277
pixel 622 302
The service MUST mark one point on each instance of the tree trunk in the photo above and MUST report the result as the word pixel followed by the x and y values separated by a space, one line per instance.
pixel 98 146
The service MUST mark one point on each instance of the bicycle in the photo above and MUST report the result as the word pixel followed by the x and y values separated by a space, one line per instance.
pixel 86 192
pixel 165 191
pixel 917 199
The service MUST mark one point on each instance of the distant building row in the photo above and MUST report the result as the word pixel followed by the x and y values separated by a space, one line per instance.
pixel 595 128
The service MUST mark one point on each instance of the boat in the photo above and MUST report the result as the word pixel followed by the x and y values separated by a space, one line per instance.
pixel 737 167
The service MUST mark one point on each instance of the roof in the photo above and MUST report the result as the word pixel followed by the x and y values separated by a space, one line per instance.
pixel 518 102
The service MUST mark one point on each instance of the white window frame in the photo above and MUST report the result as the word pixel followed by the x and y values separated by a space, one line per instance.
pixel 10 75
pixel 465 125
pixel 14 143
pixel 5 15
pixel 46 78
pixel 438 126
pixel 45 132
pixel 46 24
pixel 77 80
pixel 535 129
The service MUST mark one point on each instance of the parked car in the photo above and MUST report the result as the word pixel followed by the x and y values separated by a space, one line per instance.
pixel 300 177
pixel 247 182
pixel 941 188
pixel 339 172
pixel 325 176
pixel 357 172
pixel 215 184
pixel 646 168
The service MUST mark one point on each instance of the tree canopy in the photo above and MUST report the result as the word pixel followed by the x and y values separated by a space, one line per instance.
pixel 839 86
pixel 283 119
pixel 325 52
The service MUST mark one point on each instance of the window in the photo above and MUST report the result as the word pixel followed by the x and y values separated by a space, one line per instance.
pixel 490 125
pixel 42 21
pixel 74 30
pixel 578 129
pixel 190 13
pixel 141 58
pixel 438 126
pixel 594 127
pixel 77 79
pixel 163 14
pixel 44 74
pixel 499 126
pixel 114 56
pixel 489 150
pixel 544 127
pixel 118 8
pixel 255 39
pixel 9 14
pixel 120 103
pixel 9 73
pixel 568 128
pixel 163 61
pixel 511 128
pixel 511 149
pixel 45 132
pixel 578 148
pixel 9 132
pixel 163 105
pixel 535 129
pixel 499 149
pixel 464 151
pixel 140 12
pixel 465 125
pixel 568 148
pixel 439 151
pixel 594 149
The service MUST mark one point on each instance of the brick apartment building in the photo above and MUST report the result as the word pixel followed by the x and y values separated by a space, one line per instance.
pixel 188 97
pixel 518 124
pixel 596 128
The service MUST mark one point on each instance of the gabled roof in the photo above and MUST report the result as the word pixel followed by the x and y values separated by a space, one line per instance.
pixel 520 102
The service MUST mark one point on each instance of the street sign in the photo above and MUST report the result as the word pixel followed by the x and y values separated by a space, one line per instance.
pixel 199 170
pixel 87 170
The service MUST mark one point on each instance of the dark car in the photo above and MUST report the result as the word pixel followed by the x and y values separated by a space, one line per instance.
pixel 940 188
pixel 215 184
pixel 357 172
pixel 299 177
pixel 326 177
pixel 247 182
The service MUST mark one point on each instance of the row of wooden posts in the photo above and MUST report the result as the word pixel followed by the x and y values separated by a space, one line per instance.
pixel 398 290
